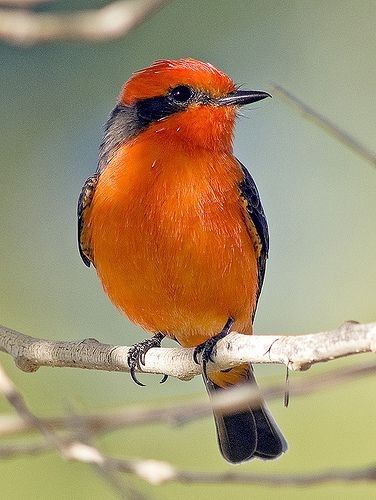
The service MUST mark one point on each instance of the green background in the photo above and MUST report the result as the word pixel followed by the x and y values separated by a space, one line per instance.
pixel 319 198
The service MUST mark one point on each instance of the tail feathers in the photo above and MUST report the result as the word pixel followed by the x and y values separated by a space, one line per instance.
pixel 249 433
pixel 270 440
pixel 237 436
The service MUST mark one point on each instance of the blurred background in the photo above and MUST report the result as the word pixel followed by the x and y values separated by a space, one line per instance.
pixel 320 199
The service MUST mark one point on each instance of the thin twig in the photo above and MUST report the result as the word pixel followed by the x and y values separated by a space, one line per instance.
pixel 156 472
pixel 24 3
pixel 15 399
pixel 20 449
pixel 69 449
pixel 115 20
pixel 102 423
pixel 124 491
pixel 326 124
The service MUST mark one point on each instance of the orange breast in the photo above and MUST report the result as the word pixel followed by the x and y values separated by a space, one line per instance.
pixel 170 242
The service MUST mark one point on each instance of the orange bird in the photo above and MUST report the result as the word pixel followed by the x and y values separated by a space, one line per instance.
pixel 174 226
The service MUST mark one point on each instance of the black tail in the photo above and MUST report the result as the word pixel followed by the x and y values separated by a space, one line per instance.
pixel 249 433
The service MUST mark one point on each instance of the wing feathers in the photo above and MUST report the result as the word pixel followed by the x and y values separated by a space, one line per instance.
pixel 84 202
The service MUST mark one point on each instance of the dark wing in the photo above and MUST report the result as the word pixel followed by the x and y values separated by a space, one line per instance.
pixel 120 126
pixel 84 202
pixel 256 221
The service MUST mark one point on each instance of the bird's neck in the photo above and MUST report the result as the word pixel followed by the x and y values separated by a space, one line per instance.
pixel 142 167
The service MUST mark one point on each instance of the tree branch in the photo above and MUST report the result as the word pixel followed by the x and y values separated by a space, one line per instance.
pixel 116 20
pixel 297 352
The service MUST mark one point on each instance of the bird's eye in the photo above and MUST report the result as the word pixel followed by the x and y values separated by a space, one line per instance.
pixel 181 94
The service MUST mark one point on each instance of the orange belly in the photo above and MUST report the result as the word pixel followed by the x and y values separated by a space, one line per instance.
pixel 170 241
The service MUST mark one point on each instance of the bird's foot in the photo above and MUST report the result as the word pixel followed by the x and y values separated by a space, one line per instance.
pixel 208 348
pixel 137 353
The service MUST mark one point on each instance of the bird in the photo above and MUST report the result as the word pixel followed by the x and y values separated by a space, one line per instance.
pixel 174 226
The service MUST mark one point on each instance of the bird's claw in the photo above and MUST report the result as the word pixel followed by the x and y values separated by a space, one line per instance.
pixel 132 370
pixel 137 356
pixel 208 349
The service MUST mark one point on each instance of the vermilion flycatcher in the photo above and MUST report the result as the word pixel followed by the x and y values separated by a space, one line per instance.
pixel 174 226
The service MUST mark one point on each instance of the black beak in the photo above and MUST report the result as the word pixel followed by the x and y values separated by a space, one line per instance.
pixel 242 97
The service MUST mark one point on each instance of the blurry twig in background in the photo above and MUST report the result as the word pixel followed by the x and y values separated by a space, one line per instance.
pixel 297 352
pixel 324 123
pixel 8 389
pixel 158 472
pixel 24 3
pixel 69 449
pixel 115 20
pixel 179 413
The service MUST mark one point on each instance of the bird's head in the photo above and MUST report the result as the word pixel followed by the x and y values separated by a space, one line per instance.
pixel 183 101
